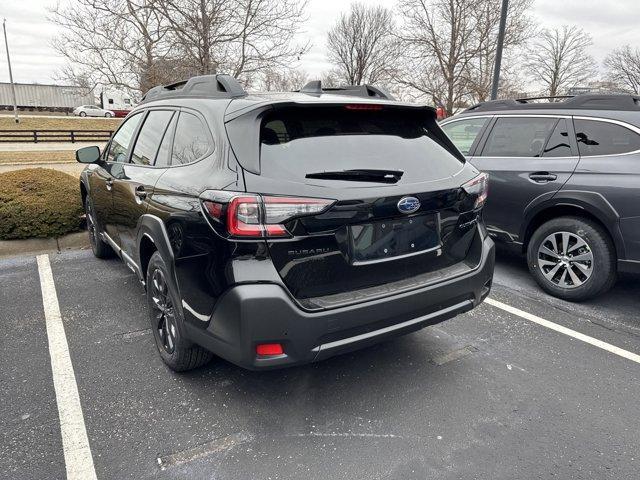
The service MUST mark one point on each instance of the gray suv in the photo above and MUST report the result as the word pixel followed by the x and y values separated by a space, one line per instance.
pixel 564 182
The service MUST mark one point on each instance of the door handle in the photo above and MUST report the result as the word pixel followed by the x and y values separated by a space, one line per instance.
pixel 109 184
pixel 542 177
pixel 140 192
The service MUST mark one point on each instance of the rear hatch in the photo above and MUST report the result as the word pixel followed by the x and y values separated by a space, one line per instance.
pixel 395 213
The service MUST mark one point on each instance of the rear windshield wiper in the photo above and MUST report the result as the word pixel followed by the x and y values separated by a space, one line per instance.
pixel 360 175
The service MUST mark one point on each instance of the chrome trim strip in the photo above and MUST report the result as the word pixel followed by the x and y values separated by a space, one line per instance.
pixel 128 261
pixel 391 328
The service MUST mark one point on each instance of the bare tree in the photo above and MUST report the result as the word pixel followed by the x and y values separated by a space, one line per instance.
pixel 283 81
pixel 449 48
pixel 111 42
pixel 240 37
pixel 439 45
pixel 136 44
pixel 559 59
pixel 623 65
pixel 519 29
pixel 362 46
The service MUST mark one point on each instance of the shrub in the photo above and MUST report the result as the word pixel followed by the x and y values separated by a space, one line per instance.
pixel 38 202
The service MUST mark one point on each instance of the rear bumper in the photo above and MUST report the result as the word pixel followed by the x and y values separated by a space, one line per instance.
pixel 251 314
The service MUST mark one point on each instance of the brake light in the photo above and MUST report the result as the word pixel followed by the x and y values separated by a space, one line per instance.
pixel 252 216
pixel 362 106
pixel 478 186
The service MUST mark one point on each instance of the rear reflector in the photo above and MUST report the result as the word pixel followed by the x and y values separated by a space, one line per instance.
pixel 269 349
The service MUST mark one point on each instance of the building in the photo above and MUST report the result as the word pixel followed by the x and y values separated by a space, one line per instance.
pixel 37 97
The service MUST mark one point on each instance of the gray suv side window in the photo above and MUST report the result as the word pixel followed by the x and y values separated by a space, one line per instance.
pixel 122 139
pixel 518 137
pixel 464 132
pixel 604 138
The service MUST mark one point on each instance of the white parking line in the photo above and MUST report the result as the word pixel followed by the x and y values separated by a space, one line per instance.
pixel 567 331
pixel 75 444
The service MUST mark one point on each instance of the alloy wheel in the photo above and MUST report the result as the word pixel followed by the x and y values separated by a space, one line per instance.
pixel 164 314
pixel 565 259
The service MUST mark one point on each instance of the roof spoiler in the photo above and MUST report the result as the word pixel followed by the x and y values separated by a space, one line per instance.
pixel 366 91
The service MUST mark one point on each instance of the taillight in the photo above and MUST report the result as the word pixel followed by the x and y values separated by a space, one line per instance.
pixel 263 216
pixel 243 217
pixel 479 186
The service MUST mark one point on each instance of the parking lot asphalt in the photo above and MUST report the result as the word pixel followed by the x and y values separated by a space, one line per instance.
pixel 488 394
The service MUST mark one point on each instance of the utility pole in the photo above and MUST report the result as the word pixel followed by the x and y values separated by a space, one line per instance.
pixel 13 87
pixel 496 67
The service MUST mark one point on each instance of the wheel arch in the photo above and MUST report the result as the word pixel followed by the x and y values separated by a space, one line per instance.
pixel 152 236
pixel 588 205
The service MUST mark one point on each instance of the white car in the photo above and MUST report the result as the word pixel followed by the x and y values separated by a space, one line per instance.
pixel 92 111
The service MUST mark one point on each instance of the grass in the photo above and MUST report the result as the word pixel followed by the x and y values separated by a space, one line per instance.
pixel 38 202
pixel 54 156
pixel 59 123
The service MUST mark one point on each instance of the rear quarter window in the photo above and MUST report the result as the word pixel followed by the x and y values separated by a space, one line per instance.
pixel 596 137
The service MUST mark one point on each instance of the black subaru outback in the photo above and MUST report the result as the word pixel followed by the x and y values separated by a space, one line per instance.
pixel 565 184
pixel 278 229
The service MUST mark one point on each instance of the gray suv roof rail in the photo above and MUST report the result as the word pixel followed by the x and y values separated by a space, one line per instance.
pixel 366 91
pixel 587 101
pixel 204 86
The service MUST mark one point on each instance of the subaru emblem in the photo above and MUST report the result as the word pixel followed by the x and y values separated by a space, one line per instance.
pixel 408 204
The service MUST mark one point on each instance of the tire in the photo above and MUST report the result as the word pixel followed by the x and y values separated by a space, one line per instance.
pixel 177 353
pixel 587 270
pixel 83 114
pixel 100 248
pixel 107 115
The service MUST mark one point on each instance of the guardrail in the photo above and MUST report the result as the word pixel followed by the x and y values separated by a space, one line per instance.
pixel 67 136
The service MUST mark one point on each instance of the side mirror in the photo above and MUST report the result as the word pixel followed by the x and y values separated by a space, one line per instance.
pixel 88 154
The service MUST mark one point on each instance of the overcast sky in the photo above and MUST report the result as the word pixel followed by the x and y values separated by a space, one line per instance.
pixel 610 23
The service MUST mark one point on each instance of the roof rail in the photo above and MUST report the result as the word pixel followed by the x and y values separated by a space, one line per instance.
pixel 367 91
pixel 208 86
pixel 585 101
pixel 551 98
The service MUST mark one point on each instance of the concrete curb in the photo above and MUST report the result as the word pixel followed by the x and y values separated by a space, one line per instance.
pixel 32 246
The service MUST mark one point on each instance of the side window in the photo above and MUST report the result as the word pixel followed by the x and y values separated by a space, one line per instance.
pixel 604 138
pixel 122 139
pixel 148 142
pixel 164 152
pixel 558 144
pixel 464 132
pixel 191 139
pixel 518 137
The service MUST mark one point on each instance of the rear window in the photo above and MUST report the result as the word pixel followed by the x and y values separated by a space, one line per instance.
pixel 298 141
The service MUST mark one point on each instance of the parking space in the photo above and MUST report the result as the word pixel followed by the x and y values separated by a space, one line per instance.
pixel 488 394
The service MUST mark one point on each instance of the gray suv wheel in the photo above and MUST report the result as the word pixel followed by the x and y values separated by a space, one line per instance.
pixel 572 258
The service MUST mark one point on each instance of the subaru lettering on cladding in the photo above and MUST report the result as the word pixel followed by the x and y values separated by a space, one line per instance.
pixel 271 230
